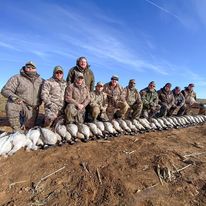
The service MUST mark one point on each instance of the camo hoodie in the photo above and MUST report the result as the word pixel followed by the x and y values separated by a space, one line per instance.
pixel 24 87
pixel 53 91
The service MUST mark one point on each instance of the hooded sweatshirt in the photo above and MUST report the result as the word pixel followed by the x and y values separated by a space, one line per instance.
pixel 24 87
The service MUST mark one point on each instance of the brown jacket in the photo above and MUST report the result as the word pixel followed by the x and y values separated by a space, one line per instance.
pixel 190 96
pixel 76 94
pixel 166 98
pixel 114 95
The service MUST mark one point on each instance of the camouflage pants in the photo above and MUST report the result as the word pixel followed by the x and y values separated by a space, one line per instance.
pixel 189 107
pixel 73 114
pixel 163 111
pixel 20 115
pixel 96 111
pixel 150 113
pixel 50 115
pixel 134 111
pixel 120 107
pixel 176 111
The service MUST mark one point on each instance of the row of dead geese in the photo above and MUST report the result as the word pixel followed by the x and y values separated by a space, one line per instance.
pixel 39 137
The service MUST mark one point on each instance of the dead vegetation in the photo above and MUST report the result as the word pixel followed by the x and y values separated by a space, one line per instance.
pixel 151 169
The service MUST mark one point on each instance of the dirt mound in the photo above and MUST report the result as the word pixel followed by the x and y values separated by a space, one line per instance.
pixel 156 168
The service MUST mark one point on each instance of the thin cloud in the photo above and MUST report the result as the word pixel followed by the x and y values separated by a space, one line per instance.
pixel 95 38
pixel 191 76
pixel 8 46
pixel 164 10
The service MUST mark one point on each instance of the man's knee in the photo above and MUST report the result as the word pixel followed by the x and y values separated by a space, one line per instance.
pixel 71 109
pixel 95 112
pixel 70 112
pixel 123 106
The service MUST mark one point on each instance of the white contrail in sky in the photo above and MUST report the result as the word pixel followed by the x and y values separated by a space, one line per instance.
pixel 163 9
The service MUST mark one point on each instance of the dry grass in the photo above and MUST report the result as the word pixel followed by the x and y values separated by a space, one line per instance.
pixel 2 105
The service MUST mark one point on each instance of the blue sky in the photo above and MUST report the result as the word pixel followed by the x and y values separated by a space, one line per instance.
pixel 146 40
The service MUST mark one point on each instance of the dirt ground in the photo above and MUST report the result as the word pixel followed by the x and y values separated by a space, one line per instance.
pixel 121 171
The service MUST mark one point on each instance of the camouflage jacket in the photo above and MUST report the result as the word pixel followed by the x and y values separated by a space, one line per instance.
pixel 166 98
pixel 179 99
pixel 53 93
pixel 132 96
pixel 88 76
pixel 25 88
pixel 189 96
pixel 76 94
pixel 114 94
pixel 149 98
pixel 99 99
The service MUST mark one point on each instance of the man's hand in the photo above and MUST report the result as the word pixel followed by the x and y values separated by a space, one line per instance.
pixel 103 109
pixel 18 101
pixel 80 106
pixel 174 106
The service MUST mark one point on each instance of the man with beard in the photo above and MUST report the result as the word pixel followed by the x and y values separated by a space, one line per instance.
pixel 23 93
pixel 117 105
pixel 166 100
pixel 133 99
pixel 53 96
pixel 83 67
pixel 150 101
pixel 179 103
pixel 190 98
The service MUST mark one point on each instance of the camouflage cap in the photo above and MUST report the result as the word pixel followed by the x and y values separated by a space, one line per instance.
pixel 177 88
pixel 168 85
pixel 132 81
pixel 100 84
pixel 152 83
pixel 30 63
pixel 115 77
pixel 191 85
pixel 58 68
pixel 79 75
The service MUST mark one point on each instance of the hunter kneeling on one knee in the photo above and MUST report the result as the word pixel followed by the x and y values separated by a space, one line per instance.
pixel 99 103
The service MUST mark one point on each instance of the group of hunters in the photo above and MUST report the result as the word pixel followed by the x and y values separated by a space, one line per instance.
pixel 78 101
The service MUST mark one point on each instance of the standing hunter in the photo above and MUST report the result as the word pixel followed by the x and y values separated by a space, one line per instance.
pixel 133 99
pixel 83 67
pixel 23 93
pixel 117 105
pixel 53 96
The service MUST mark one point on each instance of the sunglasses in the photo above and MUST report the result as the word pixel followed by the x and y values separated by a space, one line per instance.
pixel 59 72
pixel 152 85
pixel 30 67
